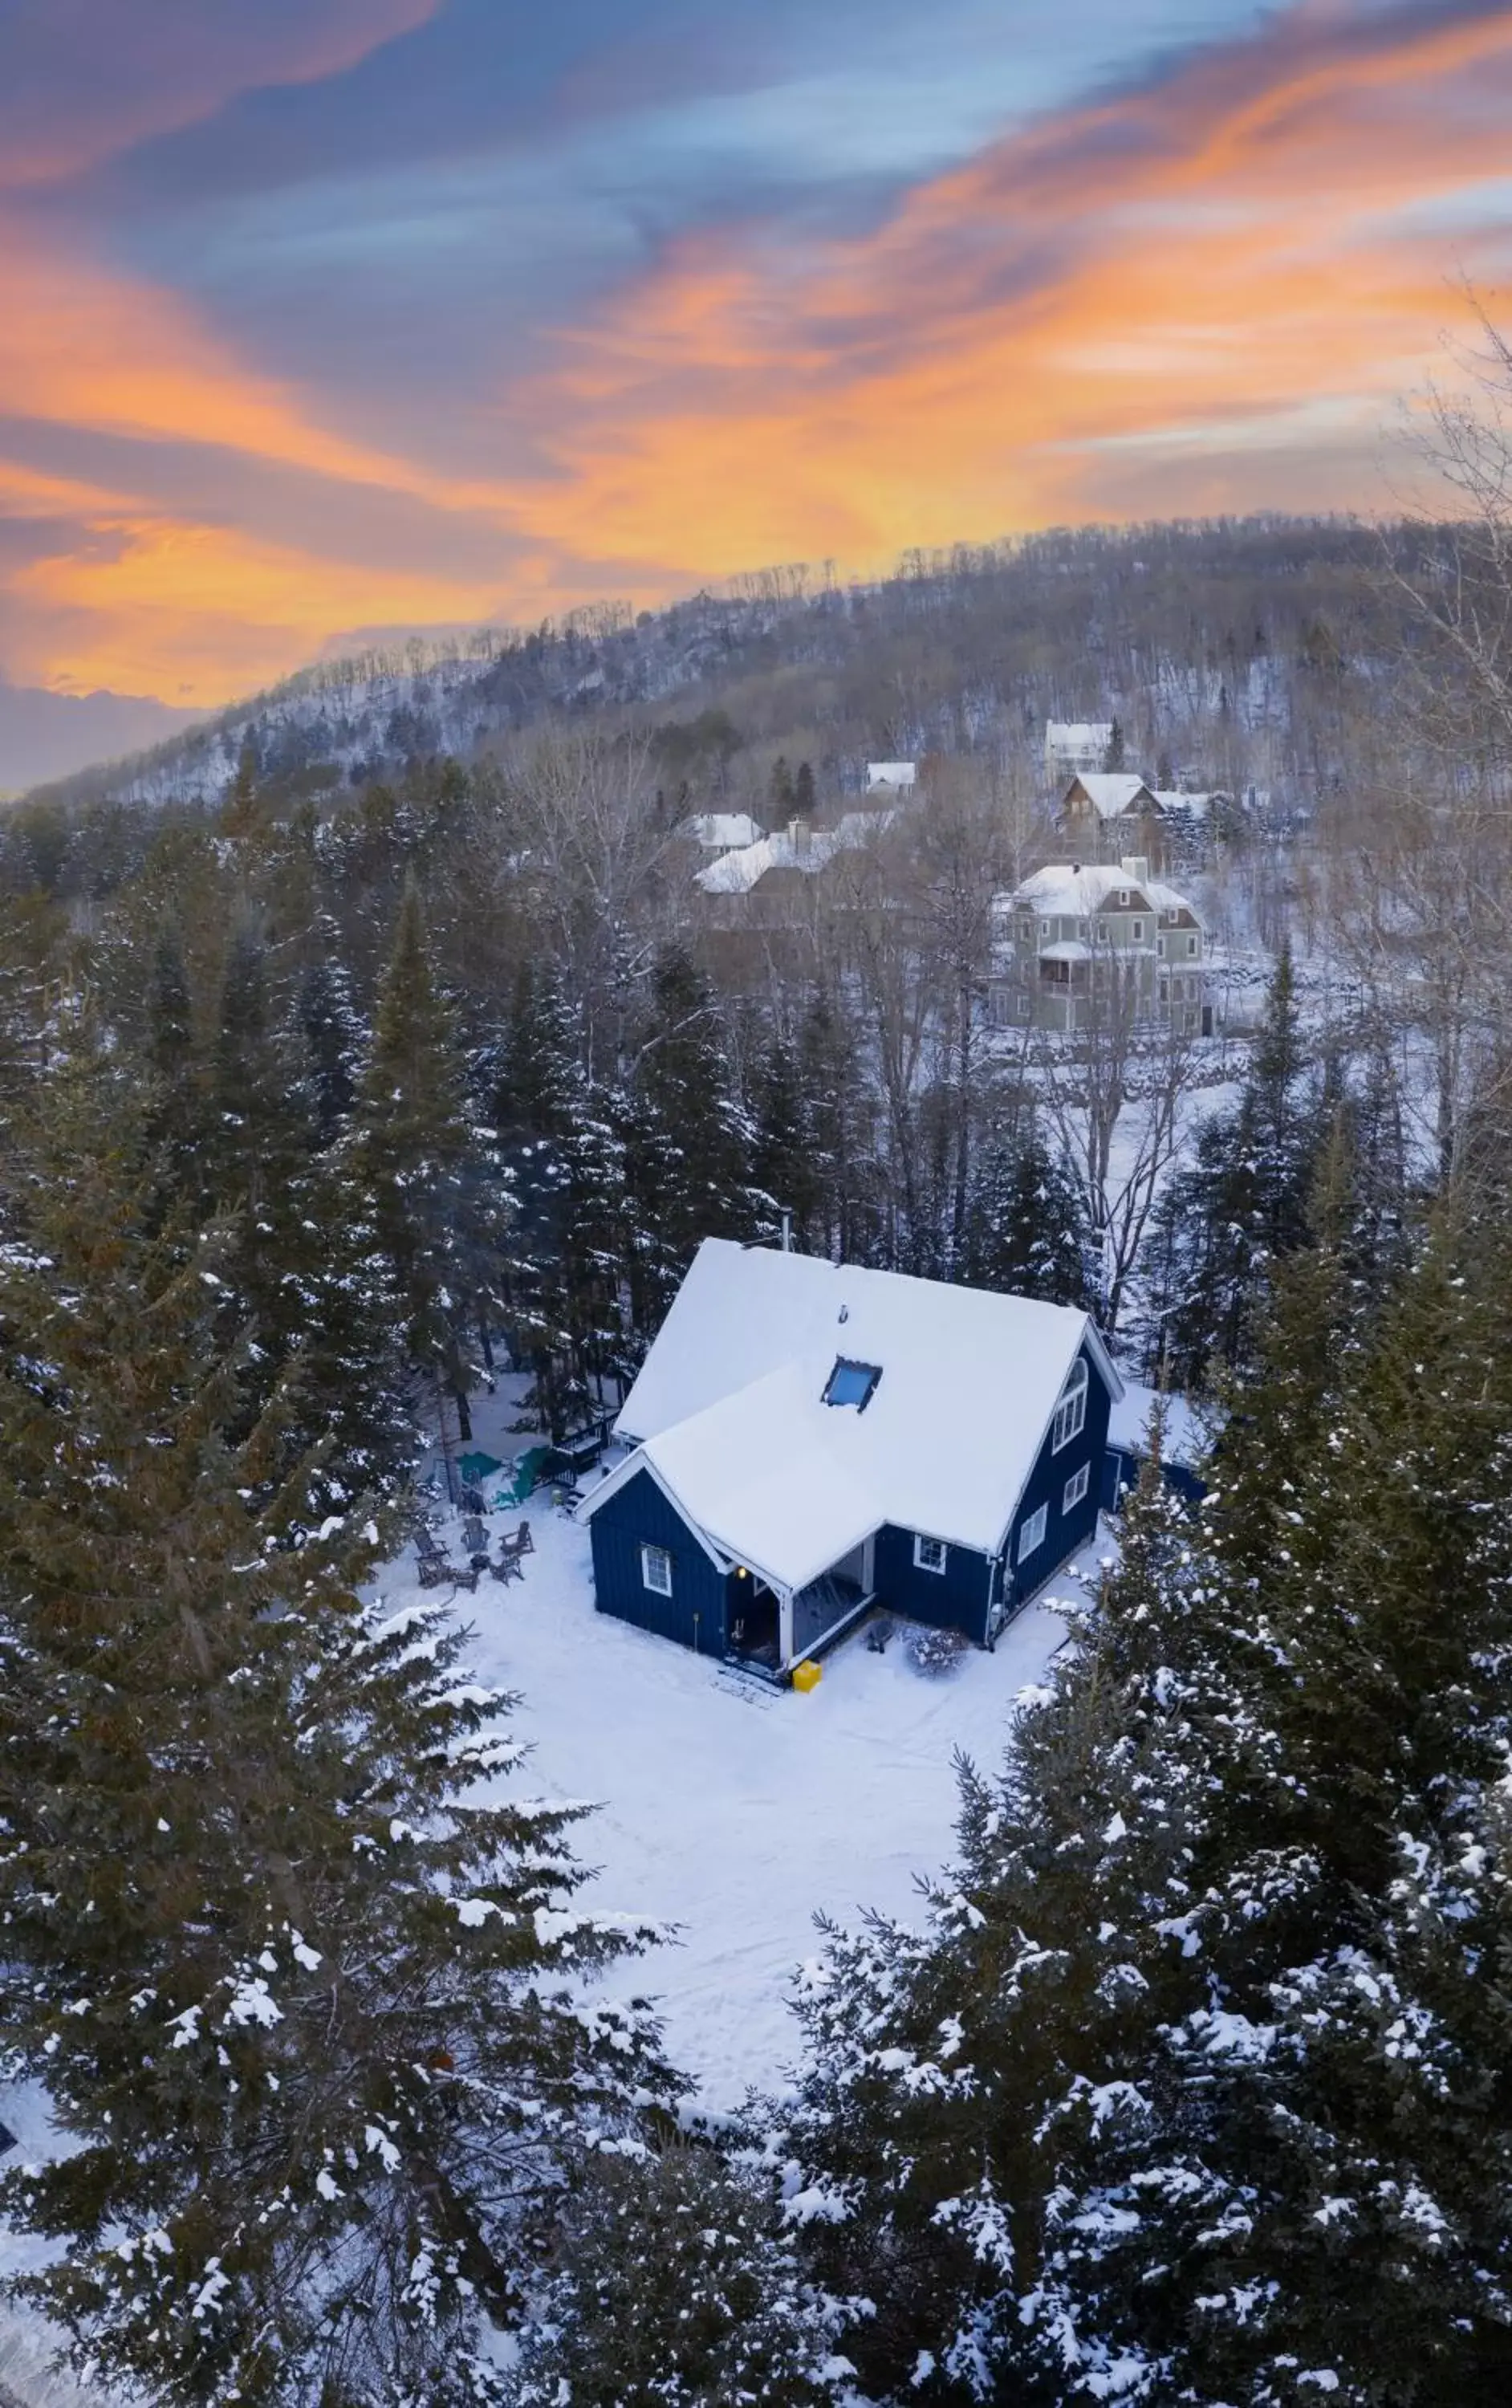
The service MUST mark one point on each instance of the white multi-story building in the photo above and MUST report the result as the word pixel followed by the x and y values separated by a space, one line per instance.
pixel 1083 939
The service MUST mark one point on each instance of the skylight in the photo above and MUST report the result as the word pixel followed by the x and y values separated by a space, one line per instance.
pixel 851 1383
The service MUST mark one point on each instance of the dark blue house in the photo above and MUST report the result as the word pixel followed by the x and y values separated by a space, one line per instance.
pixel 809 1440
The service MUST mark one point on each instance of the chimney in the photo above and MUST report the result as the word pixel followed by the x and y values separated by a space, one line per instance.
pixel 1136 868
pixel 798 838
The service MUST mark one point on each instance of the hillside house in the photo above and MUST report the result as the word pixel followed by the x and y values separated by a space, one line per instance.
pixel 810 1440
pixel 1072 746
pixel 891 777
pixel 1078 939
pixel 1103 816
pixel 777 864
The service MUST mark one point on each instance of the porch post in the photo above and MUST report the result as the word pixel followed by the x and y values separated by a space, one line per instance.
pixel 784 1626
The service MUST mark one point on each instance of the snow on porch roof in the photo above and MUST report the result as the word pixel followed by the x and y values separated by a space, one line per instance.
pixel 729 1405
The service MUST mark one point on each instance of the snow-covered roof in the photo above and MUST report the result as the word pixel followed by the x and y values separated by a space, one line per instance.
pixel 729 1413
pixel 808 849
pixel 1071 951
pixel 1177 801
pixel 891 773
pixel 1186 1436
pixel 1076 738
pixel 723 831
pixel 1111 792
pixel 1068 889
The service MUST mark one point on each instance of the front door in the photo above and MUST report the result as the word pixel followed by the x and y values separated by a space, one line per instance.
pixel 755 1627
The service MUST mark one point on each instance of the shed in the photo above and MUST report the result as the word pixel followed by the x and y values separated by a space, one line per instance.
pixel 1186 1437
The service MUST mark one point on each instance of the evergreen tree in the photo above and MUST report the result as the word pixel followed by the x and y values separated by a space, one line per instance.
pixel 803 797
pixel 537 1106
pixel 955 2078
pixel 679 2288
pixel 1196 2087
pixel 331 1034
pixel 239 812
pixel 840 1117
pixel 308 2007
pixel 427 1178
pixel 1223 1226
pixel 177 1123
pixel 688 1141
pixel 1021 1225
pixel 784 1165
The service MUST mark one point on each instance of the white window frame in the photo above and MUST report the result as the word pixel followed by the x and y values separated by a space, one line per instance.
pixel 1071 1413
pixel 1124 899
pixel 658 1560
pixel 1137 932
pixel 1032 1535
pixel 1191 948
pixel 929 1554
pixel 1045 931
pixel 1075 1488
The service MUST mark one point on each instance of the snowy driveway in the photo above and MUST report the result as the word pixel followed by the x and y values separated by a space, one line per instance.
pixel 733 1812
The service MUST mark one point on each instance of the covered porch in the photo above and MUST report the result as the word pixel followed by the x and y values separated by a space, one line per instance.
pixel 771 1627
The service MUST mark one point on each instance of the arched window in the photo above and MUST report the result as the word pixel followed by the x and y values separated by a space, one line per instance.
pixel 1071 1413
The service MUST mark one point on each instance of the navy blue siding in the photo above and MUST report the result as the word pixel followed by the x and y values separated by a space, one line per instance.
pixel 954 1600
pixel 695 1613
pixel 1064 1532
pixel 1121 1470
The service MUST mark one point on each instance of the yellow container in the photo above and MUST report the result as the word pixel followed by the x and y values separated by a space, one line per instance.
pixel 807 1676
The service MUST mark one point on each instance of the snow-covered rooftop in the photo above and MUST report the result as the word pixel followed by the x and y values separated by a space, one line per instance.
pixel 723 831
pixel 806 848
pixel 1068 889
pixel 1112 791
pixel 730 1415
pixel 1186 1434
pixel 891 774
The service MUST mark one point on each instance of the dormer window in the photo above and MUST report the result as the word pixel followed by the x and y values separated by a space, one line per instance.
pixel 851 1383
pixel 1124 899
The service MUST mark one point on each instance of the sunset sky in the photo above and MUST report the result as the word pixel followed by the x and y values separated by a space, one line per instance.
pixel 326 317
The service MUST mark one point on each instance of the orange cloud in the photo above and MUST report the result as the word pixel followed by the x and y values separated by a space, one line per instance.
pixel 1154 302
pixel 1223 257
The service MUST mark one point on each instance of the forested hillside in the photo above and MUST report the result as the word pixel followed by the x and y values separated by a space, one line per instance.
pixel 1214 640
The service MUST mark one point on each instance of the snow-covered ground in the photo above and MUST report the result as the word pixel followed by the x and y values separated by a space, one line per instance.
pixel 734 1810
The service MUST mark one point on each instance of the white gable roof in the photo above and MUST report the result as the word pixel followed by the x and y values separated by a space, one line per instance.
pixel 1111 792
pixel 1069 889
pixel 811 851
pixel 729 1408
pixel 891 773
